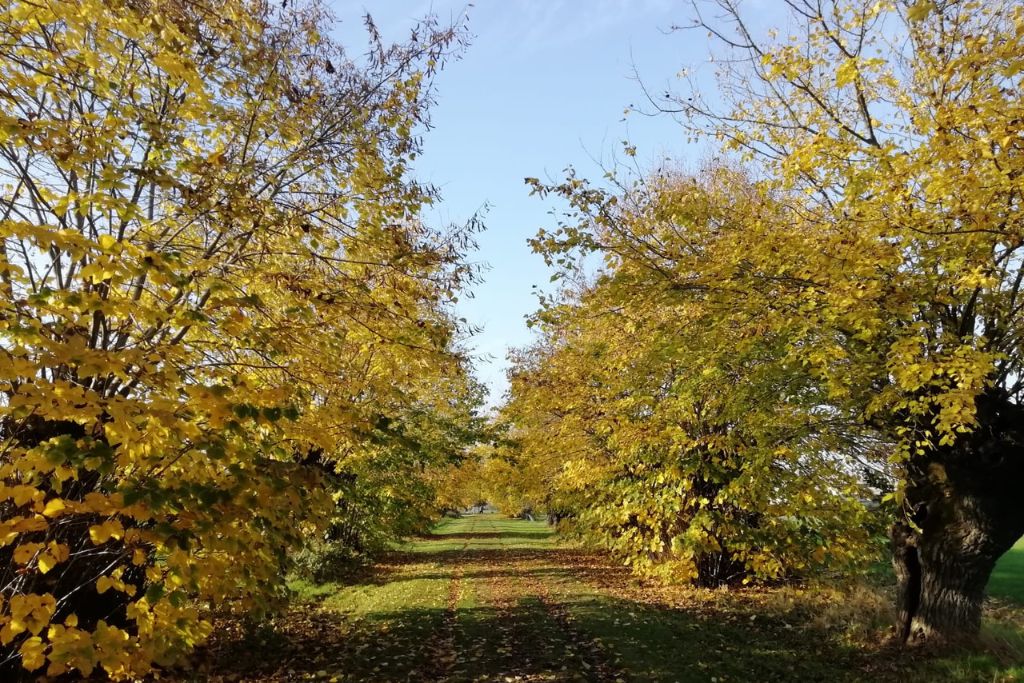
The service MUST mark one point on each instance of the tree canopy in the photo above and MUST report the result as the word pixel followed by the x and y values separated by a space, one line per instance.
pixel 218 295
pixel 864 269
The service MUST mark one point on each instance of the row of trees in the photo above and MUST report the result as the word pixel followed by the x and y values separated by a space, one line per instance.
pixel 820 329
pixel 224 328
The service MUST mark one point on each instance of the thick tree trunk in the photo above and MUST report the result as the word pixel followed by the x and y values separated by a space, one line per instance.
pixel 941 577
pixel 965 513
pixel 908 577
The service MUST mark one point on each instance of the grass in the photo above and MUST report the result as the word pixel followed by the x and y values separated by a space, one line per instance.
pixel 1007 580
pixel 487 598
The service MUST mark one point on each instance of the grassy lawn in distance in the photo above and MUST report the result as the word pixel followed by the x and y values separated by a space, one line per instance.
pixel 1008 577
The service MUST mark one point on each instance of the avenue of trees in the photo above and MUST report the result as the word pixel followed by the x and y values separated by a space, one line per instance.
pixel 229 350
pixel 815 338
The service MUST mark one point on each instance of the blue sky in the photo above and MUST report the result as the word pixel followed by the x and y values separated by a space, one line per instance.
pixel 543 85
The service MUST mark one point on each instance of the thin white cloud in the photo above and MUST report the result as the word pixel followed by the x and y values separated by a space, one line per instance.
pixel 523 26
pixel 534 25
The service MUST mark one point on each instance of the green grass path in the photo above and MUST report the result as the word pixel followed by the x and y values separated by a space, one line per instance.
pixel 486 598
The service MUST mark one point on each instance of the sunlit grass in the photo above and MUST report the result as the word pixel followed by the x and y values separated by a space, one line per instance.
pixel 475 600
pixel 1008 578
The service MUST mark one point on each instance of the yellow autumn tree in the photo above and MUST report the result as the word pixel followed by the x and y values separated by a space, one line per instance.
pixel 884 144
pixel 664 408
pixel 213 281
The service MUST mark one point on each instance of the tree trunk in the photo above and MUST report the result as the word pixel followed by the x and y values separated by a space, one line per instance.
pixel 965 512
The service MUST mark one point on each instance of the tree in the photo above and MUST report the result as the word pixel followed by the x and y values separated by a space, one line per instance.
pixel 668 415
pixel 411 451
pixel 884 140
pixel 213 277
pixel 399 476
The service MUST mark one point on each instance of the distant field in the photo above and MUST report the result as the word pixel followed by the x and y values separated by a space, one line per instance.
pixel 1008 578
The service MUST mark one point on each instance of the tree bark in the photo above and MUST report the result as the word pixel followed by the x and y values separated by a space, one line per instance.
pixel 965 511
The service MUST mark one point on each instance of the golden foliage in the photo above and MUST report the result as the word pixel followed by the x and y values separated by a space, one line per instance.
pixel 214 283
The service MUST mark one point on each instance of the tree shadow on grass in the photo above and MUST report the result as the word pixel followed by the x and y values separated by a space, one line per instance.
pixel 644 642
pixel 537 639
pixel 660 643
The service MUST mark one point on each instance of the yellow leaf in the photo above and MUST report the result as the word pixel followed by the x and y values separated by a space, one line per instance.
pixel 22 494
pixel 46 562
pixel 33 653
pixel 29 524
pixel 54 507
pixel 24 553
pixel 846 73
pixel 920 10
pixel 101 533
pixel 55 554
